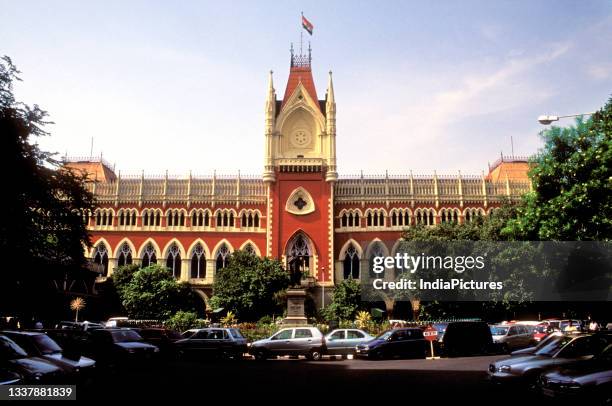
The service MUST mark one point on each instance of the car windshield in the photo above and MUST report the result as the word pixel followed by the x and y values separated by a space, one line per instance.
pixel 10 350
pixel 46 345
pixel 385 335
pixel 235 333
pixel 125 336
pixel 188 333
pixel 552 347
pixel 499 331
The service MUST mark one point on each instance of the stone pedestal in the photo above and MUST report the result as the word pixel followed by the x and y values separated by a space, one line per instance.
pixel 295 307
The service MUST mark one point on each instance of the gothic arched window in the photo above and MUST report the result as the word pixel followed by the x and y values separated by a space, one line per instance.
pixel 173 262
pixel 198 262
pixel 148 256
pixel 125 255
pixel 101 258
pixel 351 263
pixel 376 251
pixel 250 249
pixel 222 258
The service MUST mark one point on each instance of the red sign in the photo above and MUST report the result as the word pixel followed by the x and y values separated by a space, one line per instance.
pixel 430 333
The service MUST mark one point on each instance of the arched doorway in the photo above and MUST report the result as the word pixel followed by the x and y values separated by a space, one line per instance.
pixel 299 255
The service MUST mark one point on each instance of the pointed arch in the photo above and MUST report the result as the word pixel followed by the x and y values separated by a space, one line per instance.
pixel 167 247
pixel 103 240
pixel 120 244
pixel 350 241
pixel 202 243
pixel 373 244
pixel 153 243
pixel 255 247
pixel 220 244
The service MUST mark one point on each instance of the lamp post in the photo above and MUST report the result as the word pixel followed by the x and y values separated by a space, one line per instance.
pixel 545 119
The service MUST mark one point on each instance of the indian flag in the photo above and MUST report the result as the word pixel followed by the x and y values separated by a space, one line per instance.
pixel 307 25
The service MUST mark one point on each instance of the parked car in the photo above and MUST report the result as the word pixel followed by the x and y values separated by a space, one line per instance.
pixel 34 370
pixel 114 346
pixel 466 338
pixel 115 322
pixel 307 341
pixel 162 338
pixel 531 350
pixel 570 349
pixel 591 380
pixel 511 337
pixel 343 341
pixel 541 331
pixel 219 342
pixel 37 344
pixel 402 342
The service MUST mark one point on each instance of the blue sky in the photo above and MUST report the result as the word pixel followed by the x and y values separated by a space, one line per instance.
pixel 421 86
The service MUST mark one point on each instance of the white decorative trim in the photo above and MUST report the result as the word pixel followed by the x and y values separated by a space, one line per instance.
pixel 300 193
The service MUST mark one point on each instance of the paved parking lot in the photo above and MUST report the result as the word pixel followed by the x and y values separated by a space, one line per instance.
pixel 456 379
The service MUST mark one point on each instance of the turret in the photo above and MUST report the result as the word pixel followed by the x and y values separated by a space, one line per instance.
pixel 330 114
pixel 268 175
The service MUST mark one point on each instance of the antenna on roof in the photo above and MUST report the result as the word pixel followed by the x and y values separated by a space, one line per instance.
pixel 512 145
pixel 91 148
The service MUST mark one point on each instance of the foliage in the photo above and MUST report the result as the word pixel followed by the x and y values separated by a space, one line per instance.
pixel 572 179
pixel 122 276
pixel 43 226
pixel 182 321
pixel 153 293
pixel 249 285
pixel 229 319
pixel 346 300
pixel 363 319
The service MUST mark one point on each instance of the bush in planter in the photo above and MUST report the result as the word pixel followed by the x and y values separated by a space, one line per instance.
pixel 182 321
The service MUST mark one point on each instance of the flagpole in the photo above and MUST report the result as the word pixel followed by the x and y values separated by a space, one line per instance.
pixel 301 33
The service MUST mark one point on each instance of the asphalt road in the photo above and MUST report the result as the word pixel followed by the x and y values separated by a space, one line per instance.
pixel 461 380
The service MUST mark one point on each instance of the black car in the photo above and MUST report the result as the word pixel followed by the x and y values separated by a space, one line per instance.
pixel 466 338
pixel 213 342
pixel 396 343
pixel 162 338
pixel 591 379
pixel 552 337
pixel 38 344
pixel 115 346
pixel 33 370
pixel 9 377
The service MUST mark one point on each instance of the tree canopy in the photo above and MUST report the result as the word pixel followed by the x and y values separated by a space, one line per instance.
pixel 153 293
pixel 43 227
pixel 572 179
pixel 248 285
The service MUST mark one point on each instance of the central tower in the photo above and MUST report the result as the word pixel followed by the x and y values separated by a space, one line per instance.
pixel 300 171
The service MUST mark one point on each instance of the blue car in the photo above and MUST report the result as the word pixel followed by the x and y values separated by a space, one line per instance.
pixel 397 343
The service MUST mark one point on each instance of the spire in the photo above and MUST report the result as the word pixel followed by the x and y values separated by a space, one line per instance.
pixel 300 72
pixel 271 97
pixel 330 90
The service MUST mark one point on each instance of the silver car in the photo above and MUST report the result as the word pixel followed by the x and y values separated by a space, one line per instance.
pixel 307 341
pixel 343 341
pixel 512 337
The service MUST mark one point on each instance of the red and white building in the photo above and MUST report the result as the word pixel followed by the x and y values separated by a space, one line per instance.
pixel 300 211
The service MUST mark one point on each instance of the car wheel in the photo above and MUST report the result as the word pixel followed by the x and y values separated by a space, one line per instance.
pixel 260 355
pixel 315 354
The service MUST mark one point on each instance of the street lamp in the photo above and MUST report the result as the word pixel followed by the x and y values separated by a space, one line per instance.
pixel 545 120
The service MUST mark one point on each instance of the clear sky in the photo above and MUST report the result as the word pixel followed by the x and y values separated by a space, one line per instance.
pixel 419 85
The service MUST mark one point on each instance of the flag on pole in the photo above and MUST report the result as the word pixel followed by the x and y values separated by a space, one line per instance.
pixel 307 25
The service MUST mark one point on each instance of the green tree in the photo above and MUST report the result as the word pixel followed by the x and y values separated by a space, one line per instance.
pixel 248 285
pixel 572 179
pixel 346 301
pixel 123 275
pixel 153 293
pixel 43 225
